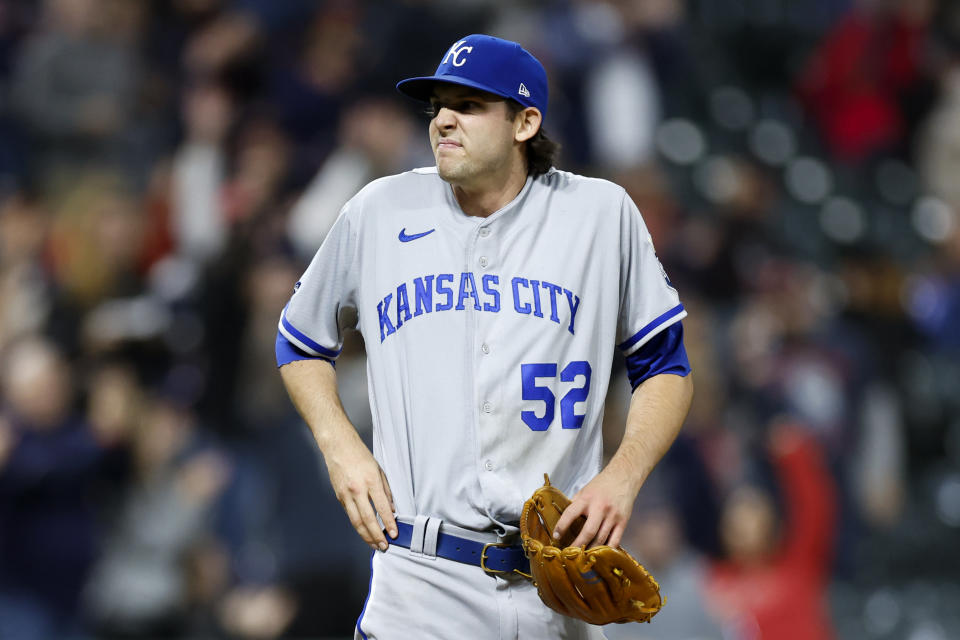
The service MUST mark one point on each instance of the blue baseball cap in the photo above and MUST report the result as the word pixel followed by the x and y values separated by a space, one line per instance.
pixel 490 64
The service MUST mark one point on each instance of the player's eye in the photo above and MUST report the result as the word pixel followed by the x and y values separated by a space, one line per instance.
pixel 435 107
pixel 460 106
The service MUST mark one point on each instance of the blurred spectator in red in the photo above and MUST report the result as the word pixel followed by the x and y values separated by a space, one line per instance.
pixel 857 79
pixel 772 583
pixel 50 463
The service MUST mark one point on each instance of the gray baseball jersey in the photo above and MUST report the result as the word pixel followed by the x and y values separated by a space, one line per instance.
pixel 489 340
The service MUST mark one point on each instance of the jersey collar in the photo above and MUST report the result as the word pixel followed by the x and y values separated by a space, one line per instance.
pixel 510 209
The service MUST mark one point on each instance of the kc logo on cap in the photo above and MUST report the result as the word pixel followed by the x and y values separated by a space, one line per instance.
pixel 496 66
pixel 455 51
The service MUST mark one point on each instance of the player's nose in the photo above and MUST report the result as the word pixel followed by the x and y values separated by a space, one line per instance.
pixel 445 118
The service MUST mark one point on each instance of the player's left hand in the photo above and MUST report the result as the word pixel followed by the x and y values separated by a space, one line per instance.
pixel 606 502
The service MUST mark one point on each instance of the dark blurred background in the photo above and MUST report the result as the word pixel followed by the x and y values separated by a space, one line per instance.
pixel 168 168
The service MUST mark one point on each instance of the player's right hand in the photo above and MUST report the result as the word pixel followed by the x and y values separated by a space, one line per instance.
pixel 607 503
pixel 362 488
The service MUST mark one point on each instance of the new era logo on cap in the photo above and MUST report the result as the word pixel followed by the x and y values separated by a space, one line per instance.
pixel 490 64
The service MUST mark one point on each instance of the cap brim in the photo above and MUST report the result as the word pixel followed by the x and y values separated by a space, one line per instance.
pixel 422 88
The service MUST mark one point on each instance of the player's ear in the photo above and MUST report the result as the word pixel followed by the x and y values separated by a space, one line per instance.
pixel 526 124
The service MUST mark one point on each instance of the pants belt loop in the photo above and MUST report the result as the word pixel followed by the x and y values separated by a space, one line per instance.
pixel 419 529
pixel 430 537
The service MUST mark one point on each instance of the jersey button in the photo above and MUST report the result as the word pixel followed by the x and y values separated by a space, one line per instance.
pixel 484 232
pixel 485 348
pixel 487 407
pixel 488 465
pixel 483 261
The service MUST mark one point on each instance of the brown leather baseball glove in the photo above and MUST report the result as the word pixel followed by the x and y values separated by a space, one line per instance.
pixel 599 585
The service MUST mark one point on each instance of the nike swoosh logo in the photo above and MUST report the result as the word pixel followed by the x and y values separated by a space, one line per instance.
pixel 405 238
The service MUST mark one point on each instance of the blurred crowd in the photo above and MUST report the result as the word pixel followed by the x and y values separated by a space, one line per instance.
pixel 168 168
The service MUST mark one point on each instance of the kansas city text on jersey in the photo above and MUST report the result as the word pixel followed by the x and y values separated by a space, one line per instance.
pixel 457 292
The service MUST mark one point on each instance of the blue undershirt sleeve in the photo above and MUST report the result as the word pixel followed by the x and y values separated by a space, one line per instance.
pixel 288 352
pixel 664 353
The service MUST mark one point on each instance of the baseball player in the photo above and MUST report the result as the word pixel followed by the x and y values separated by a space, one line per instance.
pixel 491 291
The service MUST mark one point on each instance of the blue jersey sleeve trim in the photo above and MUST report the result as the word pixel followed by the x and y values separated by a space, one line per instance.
pixel 305 343
pixel 288 352
pixel 653 324
pixel 664 353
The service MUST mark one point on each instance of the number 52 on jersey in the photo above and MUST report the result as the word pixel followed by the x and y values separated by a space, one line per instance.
pixel 535 378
